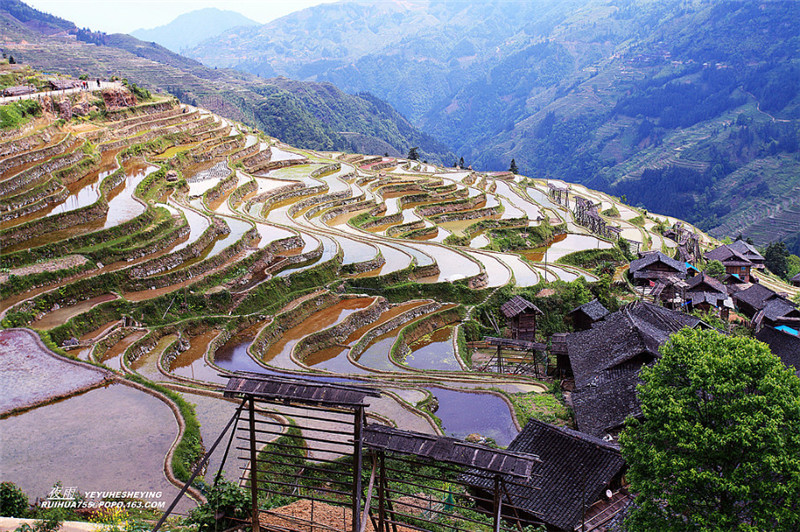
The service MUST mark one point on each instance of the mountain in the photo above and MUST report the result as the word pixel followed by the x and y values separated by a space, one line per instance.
pixel 192 28
pixel 309 114
pixel 412 53
pixel 689 108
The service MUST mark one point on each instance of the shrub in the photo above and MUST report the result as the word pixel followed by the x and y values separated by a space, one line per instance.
pixel 17 113
pixel 13 501
pixel 226 500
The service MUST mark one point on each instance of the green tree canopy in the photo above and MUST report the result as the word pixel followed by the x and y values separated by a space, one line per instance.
pixel 413 153
pixel 715 269
pixel 776 258
pixel 719 447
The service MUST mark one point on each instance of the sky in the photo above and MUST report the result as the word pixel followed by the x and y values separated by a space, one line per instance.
pixel 125 16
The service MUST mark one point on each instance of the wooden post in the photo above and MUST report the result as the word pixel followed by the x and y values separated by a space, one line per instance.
pixel 498 504
pixel 499 359
pixel 381 494
pixel 357 464
pixel 253 466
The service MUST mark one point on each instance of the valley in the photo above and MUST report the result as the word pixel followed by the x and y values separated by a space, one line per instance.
pixel 415 265
pixel 207 247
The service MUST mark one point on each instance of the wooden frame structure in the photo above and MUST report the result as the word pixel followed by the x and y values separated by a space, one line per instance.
pixel 524 360
pixel 324 463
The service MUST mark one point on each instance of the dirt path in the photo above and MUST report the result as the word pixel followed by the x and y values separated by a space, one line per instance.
pixel 92 88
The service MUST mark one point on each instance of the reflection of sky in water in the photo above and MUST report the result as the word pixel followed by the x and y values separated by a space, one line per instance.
pixel 435 353
pixel 463 413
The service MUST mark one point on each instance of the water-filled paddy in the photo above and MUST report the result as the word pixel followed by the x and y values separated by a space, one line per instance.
pixel 279 154
pixel 464 413
pixel 435 351
pixel 335 358
pixel 233 355
pixel 99 430
pixel 32 374
pixel 113 357
pixel 278 353
pixel 452 265
pixel 63 314
pixel 147 364
pixel 191 363
pixel 122 206
pixel 197 225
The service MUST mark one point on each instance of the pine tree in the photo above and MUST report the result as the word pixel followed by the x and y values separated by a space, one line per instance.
pixel 513 167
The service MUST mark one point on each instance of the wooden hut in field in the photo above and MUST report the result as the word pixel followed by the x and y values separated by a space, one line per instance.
pixel 521 315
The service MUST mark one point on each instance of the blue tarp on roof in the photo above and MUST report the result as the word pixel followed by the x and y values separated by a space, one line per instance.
pixel 692 267
pixel 789 330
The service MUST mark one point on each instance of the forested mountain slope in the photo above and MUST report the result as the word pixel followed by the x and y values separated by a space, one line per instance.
pixel 688 108
pixel 312 115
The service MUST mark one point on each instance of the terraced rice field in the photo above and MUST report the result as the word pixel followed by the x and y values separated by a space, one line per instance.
pixel 240 263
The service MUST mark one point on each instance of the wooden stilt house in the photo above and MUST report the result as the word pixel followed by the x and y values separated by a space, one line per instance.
pixel 521 315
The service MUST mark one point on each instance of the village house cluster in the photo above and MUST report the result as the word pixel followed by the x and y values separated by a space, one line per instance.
pixel 601 361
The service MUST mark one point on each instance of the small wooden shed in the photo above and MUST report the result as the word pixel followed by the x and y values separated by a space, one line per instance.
pixel 584 316
pixel 521 315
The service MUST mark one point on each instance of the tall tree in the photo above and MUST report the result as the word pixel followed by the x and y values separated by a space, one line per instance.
pixel 413 153
pixel 719 447
pixel 513 167
pixel 715 269
pixel 461 162
pixel 776 258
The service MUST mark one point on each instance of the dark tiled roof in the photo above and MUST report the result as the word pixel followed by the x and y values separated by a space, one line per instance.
pixel 594 310
pixel 603 406
pixel 635 329
pixel 796 278
pixel 652 258
pixel 714 299
pixel 778 308
pixel 450 450
pixel 756 296
pixel 731 279
pixel 783 345
pixel 705 282
pixel 296 390
pixel 728 256
pixel 575 469
pixel 606 360
pixel 517 305
pixel 746 250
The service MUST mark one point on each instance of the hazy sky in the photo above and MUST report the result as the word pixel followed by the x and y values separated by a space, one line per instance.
pixel 124 16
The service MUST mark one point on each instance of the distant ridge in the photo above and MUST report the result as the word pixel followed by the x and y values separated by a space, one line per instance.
pixel 307 115
pixel 194 27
